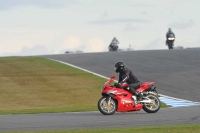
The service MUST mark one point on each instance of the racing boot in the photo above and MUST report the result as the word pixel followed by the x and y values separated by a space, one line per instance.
pixel 134 98
pixel 139 96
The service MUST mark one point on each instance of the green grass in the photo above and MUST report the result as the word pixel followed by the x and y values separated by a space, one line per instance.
pixel 159 129
pixel 37 85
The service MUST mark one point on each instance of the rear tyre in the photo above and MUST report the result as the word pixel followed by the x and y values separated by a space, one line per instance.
pixel 154 106
pixel 106 108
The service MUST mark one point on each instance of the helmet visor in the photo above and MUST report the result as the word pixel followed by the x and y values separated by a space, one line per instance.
pixel 117 69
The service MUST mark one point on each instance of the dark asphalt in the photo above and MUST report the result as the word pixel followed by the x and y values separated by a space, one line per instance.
pixel 67 121
pixel 176 72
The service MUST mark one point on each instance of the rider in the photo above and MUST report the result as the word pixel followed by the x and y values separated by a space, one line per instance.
pixel 126 75
pixel 168 34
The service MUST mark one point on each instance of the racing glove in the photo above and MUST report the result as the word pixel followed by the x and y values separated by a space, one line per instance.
pixel 117 85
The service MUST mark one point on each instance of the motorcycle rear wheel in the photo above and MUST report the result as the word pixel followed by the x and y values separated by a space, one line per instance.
pixel 152 107
pixel 105 108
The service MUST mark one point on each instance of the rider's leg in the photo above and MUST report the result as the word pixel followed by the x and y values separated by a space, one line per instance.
pixel 133 89
pixel 172 44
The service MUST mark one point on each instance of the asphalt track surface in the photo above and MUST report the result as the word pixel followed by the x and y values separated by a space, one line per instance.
pixel 67 121
pixel 176 72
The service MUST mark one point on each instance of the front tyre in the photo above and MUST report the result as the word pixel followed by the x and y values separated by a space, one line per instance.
pixel 170 44
pixel 152 107
pixel 107 107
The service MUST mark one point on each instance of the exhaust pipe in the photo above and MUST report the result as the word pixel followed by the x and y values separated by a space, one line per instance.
pixel 145 101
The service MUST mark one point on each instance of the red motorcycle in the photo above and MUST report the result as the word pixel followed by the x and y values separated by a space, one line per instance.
pixel 117 99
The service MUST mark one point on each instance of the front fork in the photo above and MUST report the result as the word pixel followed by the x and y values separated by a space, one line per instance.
pixel 108 99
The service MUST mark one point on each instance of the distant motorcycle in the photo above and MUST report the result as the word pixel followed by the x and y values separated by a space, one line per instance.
pixel 113 47
pixel 170 41
pixel 117 99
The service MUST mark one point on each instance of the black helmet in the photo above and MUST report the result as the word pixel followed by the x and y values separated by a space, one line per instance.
pixel 119 66
pixel 170 30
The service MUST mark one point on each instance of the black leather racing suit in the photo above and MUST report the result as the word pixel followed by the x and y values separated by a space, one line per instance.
pixel 127 76
pixel 168 33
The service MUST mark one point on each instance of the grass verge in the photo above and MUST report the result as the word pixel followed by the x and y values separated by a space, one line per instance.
pixel 37 85
pixel 159 129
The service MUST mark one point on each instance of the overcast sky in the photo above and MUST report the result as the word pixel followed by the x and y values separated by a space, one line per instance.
pixel 32 27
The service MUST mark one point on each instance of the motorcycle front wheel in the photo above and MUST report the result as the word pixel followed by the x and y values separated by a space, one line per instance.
pixel 107 107
pixel 152 107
